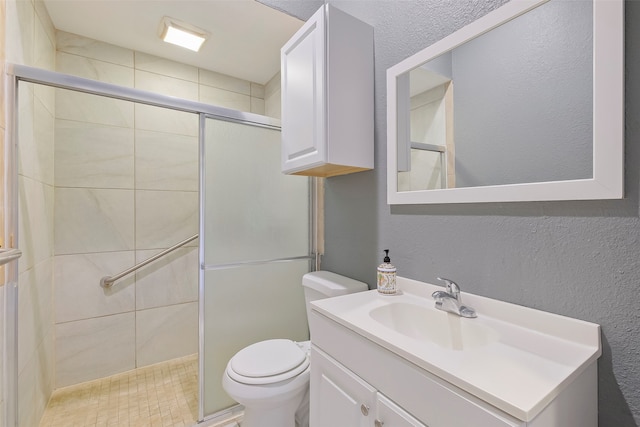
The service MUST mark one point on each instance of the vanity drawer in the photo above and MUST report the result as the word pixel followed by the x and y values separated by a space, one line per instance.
pixel 430 399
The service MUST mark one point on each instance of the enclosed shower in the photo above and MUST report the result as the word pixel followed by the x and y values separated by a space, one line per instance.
pixel 182 207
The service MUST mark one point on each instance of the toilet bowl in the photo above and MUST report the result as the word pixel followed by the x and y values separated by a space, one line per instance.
pixel 271 378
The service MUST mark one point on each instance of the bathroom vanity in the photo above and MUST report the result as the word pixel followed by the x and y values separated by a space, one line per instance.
pixel 397 361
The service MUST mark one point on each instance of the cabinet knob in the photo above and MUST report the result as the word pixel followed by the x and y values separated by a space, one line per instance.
pixel 379 423
pixel 364 409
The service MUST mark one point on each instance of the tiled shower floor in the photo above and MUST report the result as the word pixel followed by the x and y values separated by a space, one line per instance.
pixel 165 394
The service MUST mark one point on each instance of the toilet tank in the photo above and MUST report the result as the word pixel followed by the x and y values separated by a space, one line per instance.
pixel 325 284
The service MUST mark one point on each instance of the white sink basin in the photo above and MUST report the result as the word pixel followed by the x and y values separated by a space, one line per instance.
pixel 428 324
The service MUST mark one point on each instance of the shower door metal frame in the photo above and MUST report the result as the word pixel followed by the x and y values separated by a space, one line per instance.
pixel 10 225
pixel 313 256
pixel 22 73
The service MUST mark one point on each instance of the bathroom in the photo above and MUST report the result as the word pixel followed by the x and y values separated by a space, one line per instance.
pixel 575 258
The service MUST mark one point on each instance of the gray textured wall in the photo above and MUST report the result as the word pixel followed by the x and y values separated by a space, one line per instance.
pixel 579 259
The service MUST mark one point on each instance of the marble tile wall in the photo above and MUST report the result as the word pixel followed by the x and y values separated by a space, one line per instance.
pixel 272 97
pixel 126 187
pixel 2 76
pixel 2 237
pixel 30 37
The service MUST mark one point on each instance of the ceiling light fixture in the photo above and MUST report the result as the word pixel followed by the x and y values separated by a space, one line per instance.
pixel 182 34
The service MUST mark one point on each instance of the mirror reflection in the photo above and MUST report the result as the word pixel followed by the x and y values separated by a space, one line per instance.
pixel 514 105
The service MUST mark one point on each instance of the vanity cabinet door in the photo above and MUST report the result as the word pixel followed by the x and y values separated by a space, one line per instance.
pixel 327 96
pixel 303 96
pixel 338 397
pixel 388 414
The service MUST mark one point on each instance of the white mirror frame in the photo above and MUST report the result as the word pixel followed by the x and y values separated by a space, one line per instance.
pixel 608 116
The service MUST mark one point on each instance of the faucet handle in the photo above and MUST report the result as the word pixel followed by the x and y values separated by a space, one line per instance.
pixel 452 287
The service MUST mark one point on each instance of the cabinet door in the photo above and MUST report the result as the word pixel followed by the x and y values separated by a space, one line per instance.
pixel 338 397
pixel 388 414
pixel 303 96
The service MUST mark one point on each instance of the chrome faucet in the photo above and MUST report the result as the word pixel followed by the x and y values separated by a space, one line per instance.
pixel 450 301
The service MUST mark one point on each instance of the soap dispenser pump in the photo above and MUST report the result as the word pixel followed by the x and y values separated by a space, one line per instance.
pixel 387 276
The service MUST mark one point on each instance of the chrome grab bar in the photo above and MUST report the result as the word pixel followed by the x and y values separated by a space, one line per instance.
pixel 107 281
pixel 8 255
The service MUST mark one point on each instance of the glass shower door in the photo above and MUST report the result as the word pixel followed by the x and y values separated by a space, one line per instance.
pixel 256 246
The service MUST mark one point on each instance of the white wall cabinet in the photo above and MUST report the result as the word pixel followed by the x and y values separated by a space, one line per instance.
pixel 327 96
pixel 339 397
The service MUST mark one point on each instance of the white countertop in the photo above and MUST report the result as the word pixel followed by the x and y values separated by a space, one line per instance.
pixel 530 360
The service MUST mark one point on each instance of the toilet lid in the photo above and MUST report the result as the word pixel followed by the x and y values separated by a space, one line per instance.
pixel 267 362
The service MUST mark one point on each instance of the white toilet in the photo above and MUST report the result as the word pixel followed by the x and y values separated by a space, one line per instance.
pixel 271 378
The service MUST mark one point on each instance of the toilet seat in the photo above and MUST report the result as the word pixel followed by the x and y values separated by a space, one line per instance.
pixel 268 362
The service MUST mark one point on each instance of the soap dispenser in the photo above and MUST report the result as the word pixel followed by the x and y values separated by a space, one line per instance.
pixel 387 276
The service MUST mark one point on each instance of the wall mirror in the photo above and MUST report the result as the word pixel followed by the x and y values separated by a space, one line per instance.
pixel 524 104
